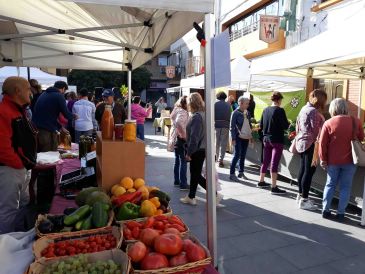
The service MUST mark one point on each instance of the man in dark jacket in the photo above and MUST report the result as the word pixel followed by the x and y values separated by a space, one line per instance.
pixel 47 110
pixel 14 177
pixel 222 116
pixel 118 110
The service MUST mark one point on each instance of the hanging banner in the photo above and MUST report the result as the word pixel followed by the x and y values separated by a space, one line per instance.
pixel 170 71
pixel 292 103
pixel 269 28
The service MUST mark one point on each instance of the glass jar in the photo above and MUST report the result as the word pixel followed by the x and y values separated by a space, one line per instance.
pixel 118 132
pixel 130 131
pixel 107 124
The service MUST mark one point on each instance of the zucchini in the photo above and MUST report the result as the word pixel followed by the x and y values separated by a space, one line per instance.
pixel 79 224
pixel 78 215
pixel 99 215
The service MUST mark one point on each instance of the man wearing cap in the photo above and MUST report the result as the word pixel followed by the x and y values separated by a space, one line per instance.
pixel 46 113
pixel 118 110
pixel 17 153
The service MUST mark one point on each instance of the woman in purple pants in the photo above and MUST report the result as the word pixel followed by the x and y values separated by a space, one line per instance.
pixel 273 124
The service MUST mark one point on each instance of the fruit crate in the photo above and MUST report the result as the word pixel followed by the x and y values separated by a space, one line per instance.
pixel 42 243
pixel 116 255
pixel 197 267
pixel 70 233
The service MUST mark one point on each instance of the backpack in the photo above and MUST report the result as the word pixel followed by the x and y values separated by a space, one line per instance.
pixel 24 141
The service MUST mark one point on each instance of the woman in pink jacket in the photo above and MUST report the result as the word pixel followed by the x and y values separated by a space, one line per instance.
pixel 139 114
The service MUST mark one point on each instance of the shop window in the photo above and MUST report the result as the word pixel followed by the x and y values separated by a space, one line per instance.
pixel 162 61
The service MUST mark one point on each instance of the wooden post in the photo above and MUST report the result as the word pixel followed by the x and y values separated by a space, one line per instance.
pixel 310 83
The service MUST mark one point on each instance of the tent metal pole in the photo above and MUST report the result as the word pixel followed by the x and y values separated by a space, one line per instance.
pixel 129 93
pixel 249 84
pixel 28 73
pixel 209 137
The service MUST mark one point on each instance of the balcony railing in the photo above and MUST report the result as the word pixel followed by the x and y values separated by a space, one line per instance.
pixel 194 66
pixel 244 31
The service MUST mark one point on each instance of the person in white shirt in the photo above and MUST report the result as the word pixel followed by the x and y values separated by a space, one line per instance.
pixel 161 105
pixel 86 123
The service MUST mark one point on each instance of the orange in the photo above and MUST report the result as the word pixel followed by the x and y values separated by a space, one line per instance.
pixel 131 190
pixel 145 192
pixel 126 182
pixel 113 188
pixel 119 191
pixel 138 183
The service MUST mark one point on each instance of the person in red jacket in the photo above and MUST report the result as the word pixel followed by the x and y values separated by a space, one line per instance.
pixel 14 177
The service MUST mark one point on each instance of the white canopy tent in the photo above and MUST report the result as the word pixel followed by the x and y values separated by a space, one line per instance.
pixel 334 54
pixel 107 35
pixel 240 78
pixel 44 79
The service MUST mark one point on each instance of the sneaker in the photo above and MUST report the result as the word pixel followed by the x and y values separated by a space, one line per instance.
pixel 297 200
pixel 242 175
pixel 307 204
pixel 218 198
pixel 176 184
pixel 233 178
pixel 187 200
pixel 326 214
pixel 221 164
pixel 263 185
pixel 277 191
pixel 340 217
pixel 184 188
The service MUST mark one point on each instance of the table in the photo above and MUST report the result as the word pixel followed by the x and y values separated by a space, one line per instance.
pixel 162 122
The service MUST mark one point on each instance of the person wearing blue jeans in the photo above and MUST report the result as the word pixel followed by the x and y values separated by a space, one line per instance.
pixel 341 175
pixel 180 167
pixel 140 131
pixel 240 149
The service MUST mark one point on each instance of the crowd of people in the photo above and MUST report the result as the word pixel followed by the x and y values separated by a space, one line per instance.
pixel 318 142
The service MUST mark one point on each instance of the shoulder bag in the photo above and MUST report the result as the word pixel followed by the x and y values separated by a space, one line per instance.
pixel 358 149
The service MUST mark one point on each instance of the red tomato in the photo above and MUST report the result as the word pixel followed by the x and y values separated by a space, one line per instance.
pixel 154 260
pixel 148 235
pixel 195 252
pixel 137 251
pixel 178 227
pixel 179 259
pixel 149 222
pixel 159 225
pixel 168 244
pixel 127 233
pixel 171 230
pixel 135 232
pixel 160 217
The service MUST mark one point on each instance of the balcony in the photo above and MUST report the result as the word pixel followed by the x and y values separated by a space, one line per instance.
pixel 244 31
pixel 194 66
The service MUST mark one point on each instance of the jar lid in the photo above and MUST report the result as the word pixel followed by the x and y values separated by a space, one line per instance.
pixel 130 121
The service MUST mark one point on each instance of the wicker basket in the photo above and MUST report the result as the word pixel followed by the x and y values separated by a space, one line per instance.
pixel 116 255
pixel 44 217
pixel 168 213
pixel 189 268
pixel 43 242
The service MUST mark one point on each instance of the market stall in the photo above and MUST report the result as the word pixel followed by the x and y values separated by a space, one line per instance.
pixel 107 35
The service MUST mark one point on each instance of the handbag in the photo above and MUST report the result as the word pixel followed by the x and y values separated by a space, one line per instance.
pixel 245 132
pixel 357 148
pixel 293 147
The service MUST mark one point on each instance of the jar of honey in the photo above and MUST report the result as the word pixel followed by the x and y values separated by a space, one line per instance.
pixel 130 131
pixel 107 124
pixel 118 132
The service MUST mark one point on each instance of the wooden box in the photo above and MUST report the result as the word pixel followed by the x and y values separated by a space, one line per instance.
pixel 117 159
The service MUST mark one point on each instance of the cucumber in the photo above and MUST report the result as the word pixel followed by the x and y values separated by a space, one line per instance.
pixel 79 224
pixel 87 223
pixel 78 215
pixel 99 215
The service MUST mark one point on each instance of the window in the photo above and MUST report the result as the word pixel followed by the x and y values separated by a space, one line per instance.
pixel 162 61
pixel 272 9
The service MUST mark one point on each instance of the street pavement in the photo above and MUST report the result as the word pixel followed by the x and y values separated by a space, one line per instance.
pixel 259 232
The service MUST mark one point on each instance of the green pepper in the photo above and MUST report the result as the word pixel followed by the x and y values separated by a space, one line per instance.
pixel 128 211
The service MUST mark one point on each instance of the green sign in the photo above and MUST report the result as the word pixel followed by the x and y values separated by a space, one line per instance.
pixel 292 103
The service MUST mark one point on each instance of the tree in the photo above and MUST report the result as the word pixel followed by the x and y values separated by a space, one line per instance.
pixel 141 79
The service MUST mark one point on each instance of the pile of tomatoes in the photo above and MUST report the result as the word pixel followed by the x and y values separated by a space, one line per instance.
pixel 134 230
pixel 81 246
pixel 156 251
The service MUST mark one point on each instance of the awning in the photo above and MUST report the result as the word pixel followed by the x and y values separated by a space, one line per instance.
pixel 335 54
pixel 42 77
pixel 93 34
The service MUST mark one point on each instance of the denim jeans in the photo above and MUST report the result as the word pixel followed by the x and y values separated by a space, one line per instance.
pixel 341 175
pixel 140 131
pixel 240 149
pixel 180 167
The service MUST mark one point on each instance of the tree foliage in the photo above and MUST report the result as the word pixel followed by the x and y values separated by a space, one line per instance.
pixel 141 79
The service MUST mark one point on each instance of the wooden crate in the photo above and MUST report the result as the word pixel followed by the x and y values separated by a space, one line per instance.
pixel 117 159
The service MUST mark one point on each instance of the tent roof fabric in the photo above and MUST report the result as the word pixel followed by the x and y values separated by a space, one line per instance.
pixel 334 54
pixel 90 34
pixel 42 77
